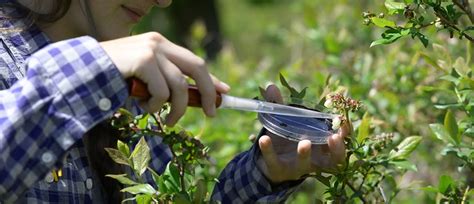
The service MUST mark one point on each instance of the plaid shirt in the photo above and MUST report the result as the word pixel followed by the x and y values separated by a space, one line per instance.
pixel 51 94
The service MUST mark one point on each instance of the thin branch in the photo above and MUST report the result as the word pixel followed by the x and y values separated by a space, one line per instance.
pixel 465 195
pixel 365 176
pixel 383 194
pixel 464 6
pixel 451 25
pixel 359 195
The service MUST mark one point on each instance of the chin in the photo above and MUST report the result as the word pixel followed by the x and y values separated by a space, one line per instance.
pixel 110 35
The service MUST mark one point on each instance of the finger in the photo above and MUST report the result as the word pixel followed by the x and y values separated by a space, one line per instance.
pixel 337 147
pixel 195 67
pixel 268 153
pixel 178 87
pixel 221 86
pixel 346 129
pixel 156 85
pixel 272 94
pixel 303 160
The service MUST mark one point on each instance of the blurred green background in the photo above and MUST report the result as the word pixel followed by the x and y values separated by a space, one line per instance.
pixel 306 41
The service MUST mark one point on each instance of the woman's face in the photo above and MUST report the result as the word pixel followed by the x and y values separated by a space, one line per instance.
pixel 113 18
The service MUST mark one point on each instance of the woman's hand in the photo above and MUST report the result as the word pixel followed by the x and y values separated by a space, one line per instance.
pixel 285 160
pixel 163 65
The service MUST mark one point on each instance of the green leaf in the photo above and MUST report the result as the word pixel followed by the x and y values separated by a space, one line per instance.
pixel 122 178
pixel 293 91
pixel 118 156
pixel 389 36
pixel 201 191
pixel 429 189
pixel 364 128
pixel 181 199
pixel 143 122
pixel 394 7
pixel 431 61
pixel 451 126
pixel 174 173
pixel 166 182
pixel 440 133
pixel 122 147
pixel 140 189
pixel 405 148
pixel 404 164
pixel 445 182
pixel 381 22
pixel 423 39
pixel 446 106
pixel 143 199
pixel 324 180
pixel 141 156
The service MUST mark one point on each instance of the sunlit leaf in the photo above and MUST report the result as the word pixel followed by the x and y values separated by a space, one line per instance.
pixel 122 178
pixel 445 182
pixel 394 7
pixel 141 156
pixel 140 189
pixel 429 189
pixel 143 199
pixel 364 128
pixel 405 148
pixel 118 156
pixel 404 164
pixel 143 122
pixel 382 22
pixel 440 133
pixel 451 126
pixel 122 147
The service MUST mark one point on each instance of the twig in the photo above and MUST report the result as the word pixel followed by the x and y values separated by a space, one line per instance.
pixel 449 24
pixel 365 176
pixel 383 194
pixel 463 201
pixel 464 6
pixel 181 176
pixel 356 192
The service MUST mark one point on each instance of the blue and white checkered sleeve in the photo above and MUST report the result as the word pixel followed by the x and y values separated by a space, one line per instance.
pixel 69 87
pixel 242 182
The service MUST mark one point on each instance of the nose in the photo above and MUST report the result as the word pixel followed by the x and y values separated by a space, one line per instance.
pixel 163 3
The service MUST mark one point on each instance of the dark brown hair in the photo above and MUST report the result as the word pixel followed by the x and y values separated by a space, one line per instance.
pixel 102 135
pixel 59 9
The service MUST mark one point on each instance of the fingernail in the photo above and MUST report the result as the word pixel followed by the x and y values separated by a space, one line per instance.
pixel 225 86
pixel 268 83
pixel 169 122
pixel 211 112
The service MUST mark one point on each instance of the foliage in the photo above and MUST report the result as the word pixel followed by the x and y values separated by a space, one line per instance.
pixel 407 91
pixel 176 183
pixel 418 15
pixel 457 93
pixel 371 159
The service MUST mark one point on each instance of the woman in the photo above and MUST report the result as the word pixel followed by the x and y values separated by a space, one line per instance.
pixel 59 87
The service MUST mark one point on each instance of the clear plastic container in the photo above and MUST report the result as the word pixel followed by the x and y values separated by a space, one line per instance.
pixel 316 130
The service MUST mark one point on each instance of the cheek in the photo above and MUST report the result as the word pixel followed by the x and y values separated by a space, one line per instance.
pixel 163 3
pixel 112 23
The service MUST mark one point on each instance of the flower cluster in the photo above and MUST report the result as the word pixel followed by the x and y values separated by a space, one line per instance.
pixel 340 102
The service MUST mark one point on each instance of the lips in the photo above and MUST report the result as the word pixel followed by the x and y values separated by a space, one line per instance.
pixel 134 13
